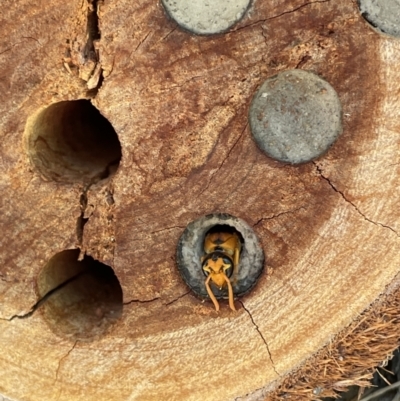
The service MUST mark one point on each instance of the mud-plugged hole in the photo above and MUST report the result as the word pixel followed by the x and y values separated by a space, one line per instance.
pixel 295 116
pixel 190 250
pixel 384 16
pixel 70 141
pixel 204 17
pixel 83 298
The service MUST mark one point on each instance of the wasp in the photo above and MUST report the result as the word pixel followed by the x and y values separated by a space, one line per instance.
pixel 221 260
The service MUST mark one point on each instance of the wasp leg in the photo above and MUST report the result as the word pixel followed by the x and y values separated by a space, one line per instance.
pixel 210 294
pixel 235 265
pixel 230 292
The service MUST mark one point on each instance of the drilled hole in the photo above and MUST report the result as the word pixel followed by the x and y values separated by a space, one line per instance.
pixel 191 249
pixel 83 298
pixel 71 141
pixel 384 16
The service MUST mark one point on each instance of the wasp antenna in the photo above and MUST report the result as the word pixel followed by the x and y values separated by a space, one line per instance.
pixel 230 292
pixel 210 293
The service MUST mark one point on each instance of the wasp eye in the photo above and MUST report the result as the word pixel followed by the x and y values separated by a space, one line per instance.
pixel 226 261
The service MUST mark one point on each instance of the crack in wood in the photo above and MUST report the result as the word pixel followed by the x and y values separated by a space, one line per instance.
pixel 278 215
pixel 377 223
pixel 167 229
pixel 31 38
pixel 142 41
pixel 18 43
pixel 82 220
pixel 140 301
pixel 278 15
pixel 169 33
pixel 224 160
pixel 83 199
pixel 262 337
pixel 177 299
pixel 297 9
pixel 59 366
pixel 178 85
pixel 92 32
pixel 90 51
pixel 62 359
pixel 42 300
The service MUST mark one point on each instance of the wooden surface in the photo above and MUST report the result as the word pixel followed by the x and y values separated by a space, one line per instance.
pixel 179 104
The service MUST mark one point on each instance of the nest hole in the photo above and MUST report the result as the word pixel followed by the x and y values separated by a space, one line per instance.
pixel 71 142
pixel 206 17
pixel 82 298
pixel 190 250
pixel 383 16
pixel 226 229
pixel 295 116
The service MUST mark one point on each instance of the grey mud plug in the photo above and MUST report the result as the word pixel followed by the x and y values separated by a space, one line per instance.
pixel 382 15
pixel 295 116
pixel 206 17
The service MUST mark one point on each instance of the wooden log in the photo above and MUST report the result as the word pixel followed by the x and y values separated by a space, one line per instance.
pixel 179 106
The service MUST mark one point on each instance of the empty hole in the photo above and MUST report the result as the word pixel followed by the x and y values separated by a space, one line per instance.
pixel 71 141
pixel 84 298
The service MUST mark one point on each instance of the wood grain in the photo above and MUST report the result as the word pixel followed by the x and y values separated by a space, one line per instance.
pixel 179 104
